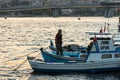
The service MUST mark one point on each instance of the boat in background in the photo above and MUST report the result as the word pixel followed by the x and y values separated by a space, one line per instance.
pixel 116 37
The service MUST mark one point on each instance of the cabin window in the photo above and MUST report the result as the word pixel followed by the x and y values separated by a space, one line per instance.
pixel 117 56
pixel 104 42
pixel 105 56
pixel 104 47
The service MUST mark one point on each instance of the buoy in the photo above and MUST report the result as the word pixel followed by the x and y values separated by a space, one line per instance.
pixel 5 17
pixel 78 18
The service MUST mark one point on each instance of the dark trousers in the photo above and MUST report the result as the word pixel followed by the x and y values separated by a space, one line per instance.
pixel 59 49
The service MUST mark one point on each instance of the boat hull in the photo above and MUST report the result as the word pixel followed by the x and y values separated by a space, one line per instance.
pixel 49 57
pixel 41 66
pixel 74 70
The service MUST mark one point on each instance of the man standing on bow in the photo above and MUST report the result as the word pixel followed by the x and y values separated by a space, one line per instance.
pixel 58 42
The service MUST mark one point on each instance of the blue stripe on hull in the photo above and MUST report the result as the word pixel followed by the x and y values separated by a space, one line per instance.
pixel 52 59
pixel 64 70
pixel 49 58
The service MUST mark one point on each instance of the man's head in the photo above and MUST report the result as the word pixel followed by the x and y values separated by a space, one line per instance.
pixel 59 31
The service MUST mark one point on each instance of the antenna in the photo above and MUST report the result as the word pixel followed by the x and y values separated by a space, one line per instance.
pixel 119 20
pixel 119 25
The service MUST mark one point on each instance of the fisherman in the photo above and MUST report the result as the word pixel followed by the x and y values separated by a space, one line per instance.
pixel 58 42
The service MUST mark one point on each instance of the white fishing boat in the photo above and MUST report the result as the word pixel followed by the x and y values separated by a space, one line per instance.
pixel 101 55
pixel 89 66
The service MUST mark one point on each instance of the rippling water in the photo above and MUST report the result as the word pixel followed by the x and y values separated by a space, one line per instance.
pixel 22 36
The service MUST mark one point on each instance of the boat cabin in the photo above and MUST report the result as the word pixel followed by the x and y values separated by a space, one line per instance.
pixel 101 43
pixel 102 47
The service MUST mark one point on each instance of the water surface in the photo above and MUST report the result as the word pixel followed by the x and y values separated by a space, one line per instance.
pixel 22 36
